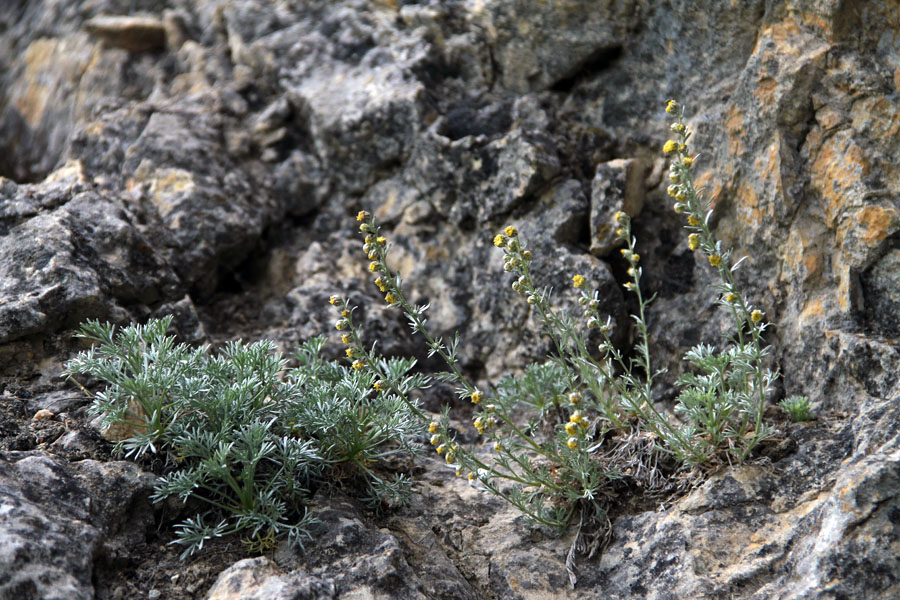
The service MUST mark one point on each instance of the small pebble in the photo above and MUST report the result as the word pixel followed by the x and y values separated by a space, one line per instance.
pixel 154 594
pixel 43 414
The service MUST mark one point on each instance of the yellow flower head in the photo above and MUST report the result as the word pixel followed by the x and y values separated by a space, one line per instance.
pixel 672 190
pixel 526 254
pixel 471 476
pixel 334 299
pixel 358 364
pixel 620 217
pixel 693 241
pixel 450 458
pixel 374 266
pixel 511 231
pixel 671 106
pixel 499 240
pixel 435 440
pixel 572 443
pixel 362 215
pixel 341 324
pixel 498 446
pixel 578 281
pixel 381 239
pixel 732 298
pixel 345 313
pixel 574 397
pixel 620 232
pixel 688 161
pixel 670 146
pixel 432 427
pixel 379 385
pixel 441 449
pixel 756 316
pixel 476 397
pixel 351 352
pixel 571 428
pixel 715 260
pixel 576 417
pixel 346 338
pixel 390 298
pixel 365 228
pixel 693 221
pixel 678 127
pixel 381 285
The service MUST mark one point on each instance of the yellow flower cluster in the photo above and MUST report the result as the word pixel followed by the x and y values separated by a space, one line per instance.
pixel 693 241
pixel 482 423
pixel 578 281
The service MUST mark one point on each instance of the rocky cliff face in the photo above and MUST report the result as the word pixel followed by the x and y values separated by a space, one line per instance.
pixel 205 158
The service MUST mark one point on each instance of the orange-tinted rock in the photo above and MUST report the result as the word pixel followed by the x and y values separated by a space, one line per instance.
pixel 136 34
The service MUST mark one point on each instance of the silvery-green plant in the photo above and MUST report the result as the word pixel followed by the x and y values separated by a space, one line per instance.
pixel 798 407
pixel 568 427
pixel 241 432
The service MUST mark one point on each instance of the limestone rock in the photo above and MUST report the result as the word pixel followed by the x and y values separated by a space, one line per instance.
pixel 537 44
pixel 259 579
pixel 72 253
pixel 57 518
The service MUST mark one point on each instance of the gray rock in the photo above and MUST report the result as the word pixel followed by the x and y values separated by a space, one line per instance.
pixel 362 560
pixel 538 44
pixel 57 518
pixel 261 579
pixel 76 257
pixel 881 294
